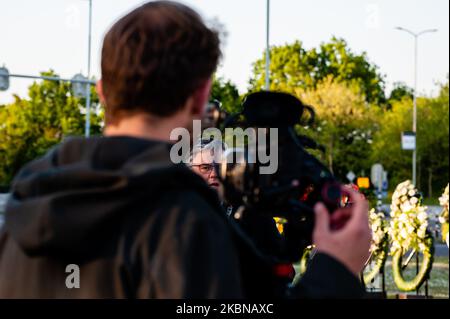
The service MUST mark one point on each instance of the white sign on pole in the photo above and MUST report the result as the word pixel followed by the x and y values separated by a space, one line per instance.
pixel 376 175
pixel 351 176
pixel 78 88
pixel 409 141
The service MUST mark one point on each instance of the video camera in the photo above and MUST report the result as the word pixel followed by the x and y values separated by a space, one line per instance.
pixel 292 191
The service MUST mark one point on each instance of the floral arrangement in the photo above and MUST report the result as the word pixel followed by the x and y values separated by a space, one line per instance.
pixel 408 227
pixel 380 236
pixel 443 218
pixel 408 230
pixel 379 246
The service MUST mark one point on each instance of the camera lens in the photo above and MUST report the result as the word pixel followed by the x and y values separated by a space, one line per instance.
pixel 331 193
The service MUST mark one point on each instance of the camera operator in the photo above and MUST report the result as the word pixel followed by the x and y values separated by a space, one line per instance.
pixel 135 224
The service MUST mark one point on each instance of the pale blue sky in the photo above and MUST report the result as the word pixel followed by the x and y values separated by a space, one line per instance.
pixel 37 35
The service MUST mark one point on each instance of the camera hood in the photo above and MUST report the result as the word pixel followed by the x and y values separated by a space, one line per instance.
pixel 272 109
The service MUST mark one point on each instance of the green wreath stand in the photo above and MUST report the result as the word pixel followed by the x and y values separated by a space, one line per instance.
pixel 424 270
pixel 378 258
pixel 303 264
pixel 306 257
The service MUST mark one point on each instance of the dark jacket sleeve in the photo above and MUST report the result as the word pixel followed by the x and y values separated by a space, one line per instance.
pixel 327 278
pixel 193 256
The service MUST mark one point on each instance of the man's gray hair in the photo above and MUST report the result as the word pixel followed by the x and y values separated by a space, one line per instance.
pixel 213 145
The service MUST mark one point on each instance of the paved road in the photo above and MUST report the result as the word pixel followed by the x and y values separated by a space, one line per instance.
pixel 3 198
pixel 434 211
pixel 441 250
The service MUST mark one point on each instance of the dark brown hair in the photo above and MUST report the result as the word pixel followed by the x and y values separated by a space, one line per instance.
pixel 154 58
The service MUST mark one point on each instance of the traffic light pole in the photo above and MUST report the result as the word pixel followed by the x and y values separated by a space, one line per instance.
pixel 57 79
pixel 52 78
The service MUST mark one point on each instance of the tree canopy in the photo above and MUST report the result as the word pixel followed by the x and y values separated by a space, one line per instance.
pixel 226 93
pixel 432 141
pixel 30 126
pixel 293 67
pixel 344 124
pixel 399 91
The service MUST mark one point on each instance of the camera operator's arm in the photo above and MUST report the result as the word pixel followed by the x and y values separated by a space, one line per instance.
pixel 341 253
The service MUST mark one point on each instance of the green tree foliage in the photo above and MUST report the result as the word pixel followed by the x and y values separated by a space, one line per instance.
pixel 227 94
pixel 293 67
pixel 432 141
pixel 30 126
pixel 344 124
pixel 386 148
pixel 399 91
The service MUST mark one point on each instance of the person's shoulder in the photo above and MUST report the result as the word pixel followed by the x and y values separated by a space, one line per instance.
pixel 180 218
pixel 193 204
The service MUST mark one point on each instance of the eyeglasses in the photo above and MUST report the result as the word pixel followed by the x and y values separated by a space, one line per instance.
pixel 206 168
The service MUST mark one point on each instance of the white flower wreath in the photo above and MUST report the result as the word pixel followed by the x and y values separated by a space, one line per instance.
pixel 443 200
pixel 379 246
pixel 379 231
pixel 443 218
pixel 408 230
pixel 408 227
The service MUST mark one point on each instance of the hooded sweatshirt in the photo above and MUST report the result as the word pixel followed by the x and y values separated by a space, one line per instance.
pixel 114 217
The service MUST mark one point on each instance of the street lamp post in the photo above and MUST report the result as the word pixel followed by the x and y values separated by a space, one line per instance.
pixel 416 38
pixel 267 47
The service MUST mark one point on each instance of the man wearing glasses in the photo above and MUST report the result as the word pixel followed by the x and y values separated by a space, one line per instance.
pixel 204 160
